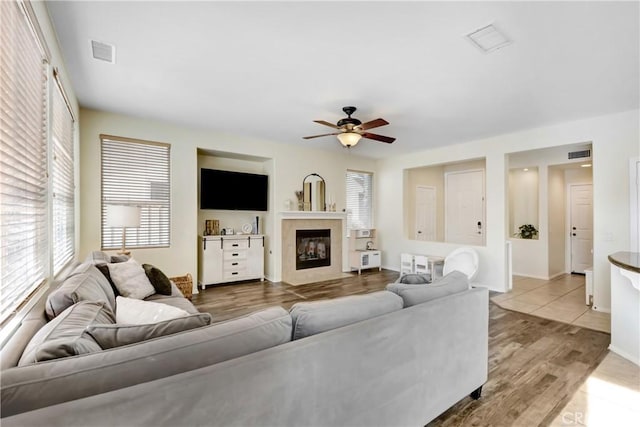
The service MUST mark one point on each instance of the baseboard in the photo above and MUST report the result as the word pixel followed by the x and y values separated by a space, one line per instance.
pixel 530 276
pixel 624 354
pixel 557 275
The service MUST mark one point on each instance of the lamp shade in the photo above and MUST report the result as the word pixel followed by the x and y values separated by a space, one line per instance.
pixel 349 139
pixel 123 216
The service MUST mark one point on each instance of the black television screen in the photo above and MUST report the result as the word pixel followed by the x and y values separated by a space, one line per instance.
pixel 238 191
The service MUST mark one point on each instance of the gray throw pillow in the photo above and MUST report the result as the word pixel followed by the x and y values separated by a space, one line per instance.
pixel 114 335
pixel 310 318
pixel 65 335
pixel 452 283
pixel 158 279
pixel 131 280
pixel 415 279
pixel 119 258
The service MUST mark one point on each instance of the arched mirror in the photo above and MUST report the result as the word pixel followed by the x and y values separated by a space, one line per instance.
pixel 313 193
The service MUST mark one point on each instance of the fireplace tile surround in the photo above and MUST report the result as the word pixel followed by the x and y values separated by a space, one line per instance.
pixel 335 222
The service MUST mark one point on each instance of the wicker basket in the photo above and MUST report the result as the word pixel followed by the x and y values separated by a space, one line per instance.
pixel 185 284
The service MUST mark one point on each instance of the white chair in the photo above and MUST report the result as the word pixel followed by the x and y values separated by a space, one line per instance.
pixel 464 260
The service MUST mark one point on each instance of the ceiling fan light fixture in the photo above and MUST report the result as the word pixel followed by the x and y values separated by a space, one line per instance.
pixel 349 139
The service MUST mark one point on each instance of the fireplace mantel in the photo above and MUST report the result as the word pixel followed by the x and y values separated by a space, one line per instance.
pixel 313 215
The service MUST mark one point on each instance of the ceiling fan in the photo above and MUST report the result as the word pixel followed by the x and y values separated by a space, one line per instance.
pixel 351 129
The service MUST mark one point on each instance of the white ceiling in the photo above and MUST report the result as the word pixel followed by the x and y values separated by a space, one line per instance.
pixel 267 69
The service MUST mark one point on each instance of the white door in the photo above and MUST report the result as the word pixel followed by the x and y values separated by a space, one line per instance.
pixel 581 227
pixel 464 207
pixel 425 213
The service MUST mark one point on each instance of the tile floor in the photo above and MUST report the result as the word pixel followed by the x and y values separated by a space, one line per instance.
pixel 609 397
pixel 561 299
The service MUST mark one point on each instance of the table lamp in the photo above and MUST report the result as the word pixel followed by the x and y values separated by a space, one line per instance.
pixel 123 216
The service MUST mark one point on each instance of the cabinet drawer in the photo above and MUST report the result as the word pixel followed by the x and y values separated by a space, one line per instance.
pixel 235 244
pixel 231 255
pixel 235 264
pixel 234 274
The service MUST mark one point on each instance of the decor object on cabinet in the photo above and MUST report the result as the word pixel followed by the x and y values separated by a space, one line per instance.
pixel 125 217
pixel 527 231
pixel 314 192
pixel 351 130
pixel 299 197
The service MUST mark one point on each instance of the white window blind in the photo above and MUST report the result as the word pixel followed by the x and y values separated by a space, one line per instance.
pixel 136 173
pixel 359 200
pixel 23 158
pixel 63 186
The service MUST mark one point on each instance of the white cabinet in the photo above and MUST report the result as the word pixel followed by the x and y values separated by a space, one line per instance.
pixel 361 259
pixel 362 250
pixel 230 258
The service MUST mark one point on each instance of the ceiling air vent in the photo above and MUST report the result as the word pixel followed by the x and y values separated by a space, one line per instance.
pixel 103 51
pixel 488 39
pixel 579 154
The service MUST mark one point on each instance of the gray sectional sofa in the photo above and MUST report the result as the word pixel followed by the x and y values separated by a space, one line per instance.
pixel 396 357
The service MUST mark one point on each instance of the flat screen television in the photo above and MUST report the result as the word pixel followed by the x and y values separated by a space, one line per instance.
pixel 236 191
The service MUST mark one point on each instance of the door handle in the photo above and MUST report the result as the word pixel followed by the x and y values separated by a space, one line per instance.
pixel 573 234
pixel 574 228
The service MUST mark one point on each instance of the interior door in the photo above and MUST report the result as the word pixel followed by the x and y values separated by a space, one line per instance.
pixel 464 207
pixel 425 213
pixel 581 227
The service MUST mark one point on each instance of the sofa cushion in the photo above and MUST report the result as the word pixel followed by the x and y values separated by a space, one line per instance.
pixel 452 283
pixel 131 311
pixel 243 335
pixel 109 335
pixel 88 284
pixel 65 335
pixel 158 279
pixel 313 317
pixel 130 279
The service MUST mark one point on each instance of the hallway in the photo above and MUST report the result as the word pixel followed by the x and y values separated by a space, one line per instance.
pixel 561 299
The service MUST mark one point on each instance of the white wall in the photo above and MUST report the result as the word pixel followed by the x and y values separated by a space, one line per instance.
pixel 615 139
pixel 287 166
pixel 556 219
pixel 523 198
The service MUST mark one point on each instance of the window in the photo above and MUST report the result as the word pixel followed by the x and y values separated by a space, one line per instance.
pixel 23 143
pixel 359 200
pixel 136 173
pixel 62 179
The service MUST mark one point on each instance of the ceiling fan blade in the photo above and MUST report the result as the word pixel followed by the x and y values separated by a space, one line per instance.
pixel 318 136
pixel 380 138
pixel 373 124
pixel 331 125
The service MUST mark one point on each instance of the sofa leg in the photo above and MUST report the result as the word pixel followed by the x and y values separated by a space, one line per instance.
pixel 475 394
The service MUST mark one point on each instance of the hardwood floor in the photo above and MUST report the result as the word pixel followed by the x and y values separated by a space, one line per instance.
pixel 229 301
pixel 536 365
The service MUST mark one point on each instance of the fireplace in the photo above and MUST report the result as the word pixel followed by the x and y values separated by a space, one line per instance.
pixel 313 248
